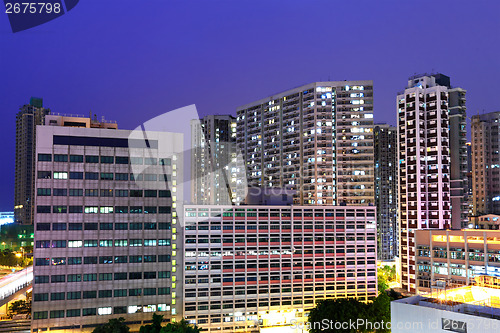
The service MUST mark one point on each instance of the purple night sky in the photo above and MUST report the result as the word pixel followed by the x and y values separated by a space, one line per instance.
pixel 133 60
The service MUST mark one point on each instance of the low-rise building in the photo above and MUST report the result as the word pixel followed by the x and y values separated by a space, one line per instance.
pixel 455 257
pixel 470 309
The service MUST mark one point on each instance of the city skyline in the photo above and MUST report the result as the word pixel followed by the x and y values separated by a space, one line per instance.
pixel 94 81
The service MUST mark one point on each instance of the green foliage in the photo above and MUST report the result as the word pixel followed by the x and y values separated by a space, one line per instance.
pixel 116 325
pixel 180 327
pixel 155 327
pixel 385 275
pixel 349 310
pixel 177 327
pixel 8 258
pixel 20 307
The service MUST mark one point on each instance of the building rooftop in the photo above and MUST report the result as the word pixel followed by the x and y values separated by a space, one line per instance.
pixel 481 300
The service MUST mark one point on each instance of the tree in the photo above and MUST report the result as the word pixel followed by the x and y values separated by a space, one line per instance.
pixel 155 327
pixel 339 310
pixel 20 307
pixel 336 315
pixel 115 325
pixel 177 327
pixel 180 327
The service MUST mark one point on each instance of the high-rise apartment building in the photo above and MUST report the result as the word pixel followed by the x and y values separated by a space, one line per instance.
pixel 28 117
pixel 213 157
pixel 485 163
pixel 386 190
pixel 251 267
pixel 105 227
pixel 459 184
pixel 424 165
pixel 318 138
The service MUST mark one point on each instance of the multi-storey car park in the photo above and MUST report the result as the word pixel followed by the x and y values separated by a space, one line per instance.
pixel 251 267
pixel 317 138
pixel 105 227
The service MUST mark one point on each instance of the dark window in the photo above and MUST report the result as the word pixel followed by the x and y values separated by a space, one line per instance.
pixel 60 158
pixel 90 260
pixel 91 159
pixel 121 176
pixel 75 209
pixel 106 226
pixel 43 192
pixel 75 175
pixel 121 226
pixel 164 210
pixel 120 276
pixel 74 261
pixel 76 158
pixel 75 226
pixel 91 193
pixel 57 278
pixel 149 291
pixel 164 291
pixel 106 176
pixel 91 175
pixel 75 192
pixel 150 258
pixel 106 193
pixel 120 292
pixel 135 209
pixel 41 297
pixel 44 157
pixel 164 258
pixel 135 259
pixel 151 193
pixel 149 210
pixel 106 260
pixel 89 294
pixel 135 226
pixel 59 226
pixel 73 313
pixel 43 209
pixel 105 293
pixel 164 226
pixel 149 275
pixel 107 159
pixel 41 279
pixel 119 309
pixel 135 292
pixel 57 313
pixel 121 209
pixel 60 192
pixel 90 226
pixel 135 275
pixel 149 226
pixel 42 262
pixel 103 142
pixel 73 294
pixel 135 193
pixel 121 159
pixel 44 174
pixel 43 226
pixel 121 260
pixel 89 311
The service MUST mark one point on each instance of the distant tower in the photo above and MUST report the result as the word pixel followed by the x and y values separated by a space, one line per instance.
pixel 386 190
pixel 28 117
pixel 213 140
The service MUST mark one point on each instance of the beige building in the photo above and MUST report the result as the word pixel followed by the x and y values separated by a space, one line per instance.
pixel 486 163
pixel 455 257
